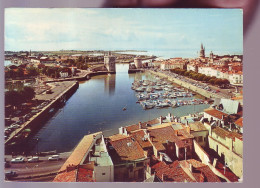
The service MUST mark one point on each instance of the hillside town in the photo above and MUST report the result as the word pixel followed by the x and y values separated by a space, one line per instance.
pixel 201 147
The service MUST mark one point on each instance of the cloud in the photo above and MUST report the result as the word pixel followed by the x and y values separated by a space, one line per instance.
pixel 55 29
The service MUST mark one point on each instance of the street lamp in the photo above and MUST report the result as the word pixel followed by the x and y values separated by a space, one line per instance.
pixel 37 140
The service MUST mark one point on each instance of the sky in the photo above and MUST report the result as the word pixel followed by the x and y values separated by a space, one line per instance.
pixel 123 29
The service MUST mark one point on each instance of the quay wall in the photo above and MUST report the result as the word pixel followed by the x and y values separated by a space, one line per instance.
pixel 82 78
pixel 36 120
pixel 135 70
pixel 186 85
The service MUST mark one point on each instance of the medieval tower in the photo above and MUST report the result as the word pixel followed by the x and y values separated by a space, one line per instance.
pixel 110 62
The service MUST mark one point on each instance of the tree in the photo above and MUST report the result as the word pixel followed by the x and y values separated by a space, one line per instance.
pixel 28 92
pixel 218 82
pixel 226 82
pixel 212 81
pixel 32 71
pixel 12 97
pixel 20 72
pixel 201 77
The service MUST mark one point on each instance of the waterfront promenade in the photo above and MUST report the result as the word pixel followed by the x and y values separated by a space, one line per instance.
pixel 58 91
pixel 59 88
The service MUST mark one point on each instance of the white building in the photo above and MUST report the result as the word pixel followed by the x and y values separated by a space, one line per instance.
pixel 64 74
pixel 236 79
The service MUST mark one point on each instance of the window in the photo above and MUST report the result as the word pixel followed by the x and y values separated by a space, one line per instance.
pixel 103 174
pixel 200 139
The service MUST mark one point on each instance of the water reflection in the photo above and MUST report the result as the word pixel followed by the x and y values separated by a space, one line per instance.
pixel 92 108
pixel 110 84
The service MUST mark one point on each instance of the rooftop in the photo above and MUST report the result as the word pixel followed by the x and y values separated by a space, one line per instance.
pixel 223 133
pixel 171 173
pixel 126 149
pixel 117 137
pixel 215 113
pixel 80 151
pixel 66 176
pixel 141 138
pixel 239 122
pixel 197 126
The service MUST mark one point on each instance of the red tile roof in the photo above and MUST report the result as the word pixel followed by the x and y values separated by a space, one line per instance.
pixel 239 122
pixel 171 173
pixel 127 149
pixel 158 136
pixel 117 137
pixel 66 176
pixel 215 113
pixel 85 175
pixel 139 137
pixel 209 174
pixel 223 133
pixel 161 133
pixel 135 127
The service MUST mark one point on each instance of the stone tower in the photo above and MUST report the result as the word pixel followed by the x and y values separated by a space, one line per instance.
pixel 202 51
pixel 110 62
pixel 138 62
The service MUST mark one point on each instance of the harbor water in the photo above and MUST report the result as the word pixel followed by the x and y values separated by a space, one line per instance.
pixel 97 106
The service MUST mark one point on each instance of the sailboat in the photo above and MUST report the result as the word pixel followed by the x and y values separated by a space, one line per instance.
pixel 124 108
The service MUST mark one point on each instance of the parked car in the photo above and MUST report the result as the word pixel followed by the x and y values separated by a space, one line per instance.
pixel 7 164
pixel 33 159
pixel 54 158
pixel 10 174
pixel 18 160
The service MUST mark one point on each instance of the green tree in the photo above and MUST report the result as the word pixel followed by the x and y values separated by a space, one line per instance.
pixel 12 97
pixel 201 77
pixel 20 72
pixel 212 81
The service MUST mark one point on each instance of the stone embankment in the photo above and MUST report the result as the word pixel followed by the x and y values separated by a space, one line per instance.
pixel 34 121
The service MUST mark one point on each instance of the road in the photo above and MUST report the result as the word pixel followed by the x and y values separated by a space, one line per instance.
pixel 38 171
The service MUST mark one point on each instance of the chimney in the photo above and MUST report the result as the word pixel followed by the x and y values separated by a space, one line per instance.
pixel 222 117
pixel 188 129
pixel 191 167
pixel 120 130
pixel 187 123
pixel 140 125
pixel 215 162
pixel 124 131
pixel 161 157
pixel 176 132
pixel 160 119
pixel 163 177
